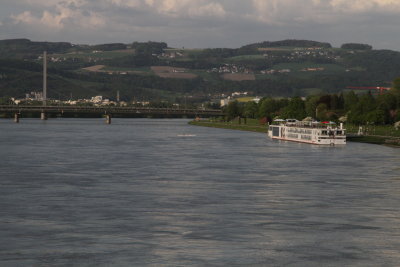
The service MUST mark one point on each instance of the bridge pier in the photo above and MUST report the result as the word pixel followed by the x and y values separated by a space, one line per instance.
pixel 16 117
pixel 43 116
pixel 108 118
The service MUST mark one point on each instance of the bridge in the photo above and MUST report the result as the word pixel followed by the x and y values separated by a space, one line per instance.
pixel 107 111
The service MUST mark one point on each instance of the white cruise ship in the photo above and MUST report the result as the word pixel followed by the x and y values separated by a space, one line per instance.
pixel 318 133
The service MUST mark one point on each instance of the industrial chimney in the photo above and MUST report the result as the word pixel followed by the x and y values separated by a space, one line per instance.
pixel 43 115
pixel 44 78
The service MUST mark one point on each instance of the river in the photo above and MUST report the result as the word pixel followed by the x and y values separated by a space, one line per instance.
pixel 149 192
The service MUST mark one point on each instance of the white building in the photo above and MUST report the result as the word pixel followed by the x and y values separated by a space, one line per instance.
pixel 225 102
pixel 97 99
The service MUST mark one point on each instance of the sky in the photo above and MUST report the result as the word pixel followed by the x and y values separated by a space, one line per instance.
pixel 203 23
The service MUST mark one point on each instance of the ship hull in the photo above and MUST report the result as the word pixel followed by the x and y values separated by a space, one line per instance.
pixel 328 142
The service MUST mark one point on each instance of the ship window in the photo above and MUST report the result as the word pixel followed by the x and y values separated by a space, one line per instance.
pixel 275 131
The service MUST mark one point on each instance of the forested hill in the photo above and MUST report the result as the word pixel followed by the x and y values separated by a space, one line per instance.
pixel 152 70
pixel 288 43
pixel 24 48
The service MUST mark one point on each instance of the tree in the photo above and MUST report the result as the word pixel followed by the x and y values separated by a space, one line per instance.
pixel 368 102
pixel 361 113
pixel 396 84
pixel 325 99
pixel 396 90
pixel 311 106
pixel 295 109
pixel 356 46
pixel 376 117
pixel 334 104
pixel 250 109
pixel 267 108
pixel 5 100
pixel 233 110
pixel 340 101
pixel 321 113
pixel 350 100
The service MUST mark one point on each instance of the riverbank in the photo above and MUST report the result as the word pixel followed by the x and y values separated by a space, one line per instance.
pixel 254 126
pixel 378 140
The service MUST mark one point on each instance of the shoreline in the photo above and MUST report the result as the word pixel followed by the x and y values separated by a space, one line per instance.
pixel 370 139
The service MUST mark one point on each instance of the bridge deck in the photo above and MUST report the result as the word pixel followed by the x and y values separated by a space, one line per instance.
pixel 109 110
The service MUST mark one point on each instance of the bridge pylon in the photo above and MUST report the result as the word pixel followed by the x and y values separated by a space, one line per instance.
pixel 16 117
pixel 43 116
pixel 108 118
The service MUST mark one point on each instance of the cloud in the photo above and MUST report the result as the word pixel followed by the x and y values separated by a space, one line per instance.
pixel 63 14
pixel 361 6
pixel 186 8
pixel 126 3
pixel 278 12
pixel 97 13
pixel 199 23
pixel 208 10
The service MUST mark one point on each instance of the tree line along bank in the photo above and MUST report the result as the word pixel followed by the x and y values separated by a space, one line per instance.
pixel 361 109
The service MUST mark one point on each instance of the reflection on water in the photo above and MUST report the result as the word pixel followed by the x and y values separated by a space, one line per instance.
pixel 160 192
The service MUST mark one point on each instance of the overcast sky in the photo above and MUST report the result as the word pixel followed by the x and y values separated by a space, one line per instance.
pixel 203 23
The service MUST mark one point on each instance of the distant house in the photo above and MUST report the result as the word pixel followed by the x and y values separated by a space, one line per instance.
pixel 313 69
pixel 284 71
pixel 224 102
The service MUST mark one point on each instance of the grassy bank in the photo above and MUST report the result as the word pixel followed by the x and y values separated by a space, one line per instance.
pixel 378 140
pixel 380 135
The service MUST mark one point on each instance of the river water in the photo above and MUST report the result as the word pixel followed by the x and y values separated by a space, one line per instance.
pixel 146 192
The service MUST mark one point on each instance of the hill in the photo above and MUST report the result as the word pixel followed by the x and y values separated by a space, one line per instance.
pixel 152 70
pixel 288 43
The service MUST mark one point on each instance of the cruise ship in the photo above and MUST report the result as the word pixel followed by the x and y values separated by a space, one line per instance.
pixel 318 133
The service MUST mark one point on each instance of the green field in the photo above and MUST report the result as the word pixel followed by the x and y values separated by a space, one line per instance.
pixel 83 83
pixel 142 69
pixel 298 67
pixel 297 70
pixel 207 76
pixel 245 99
pixel 98 55
pixel 185 52
pixel 246 57
pixel 311 91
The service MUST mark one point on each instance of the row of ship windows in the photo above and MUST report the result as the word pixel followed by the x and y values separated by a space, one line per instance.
pixel 309 137
pixel 304 137
pixel 305 131
pixel 332 132
pixel 301 131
